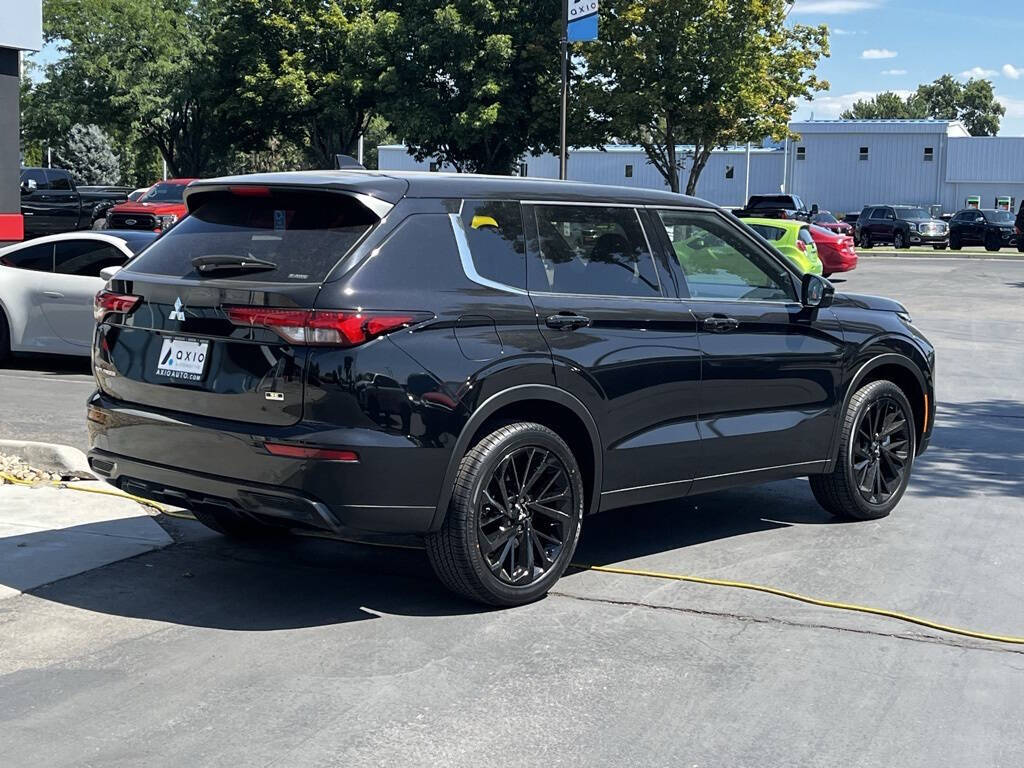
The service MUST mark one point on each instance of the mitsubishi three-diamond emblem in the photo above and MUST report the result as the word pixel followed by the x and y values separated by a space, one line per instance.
pixel 177 313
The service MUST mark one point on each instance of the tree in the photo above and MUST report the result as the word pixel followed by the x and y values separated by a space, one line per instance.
pixel 479 81
pixel 315 71
pixel 146 66
pixel 709 74
pixel 87 154
pixel 886 106
pixel 973 103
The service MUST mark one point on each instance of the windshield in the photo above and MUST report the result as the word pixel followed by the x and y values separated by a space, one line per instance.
pixel 912 214
pixel 303 234
pixel 999 217
pixel 164 193
pixel 825 218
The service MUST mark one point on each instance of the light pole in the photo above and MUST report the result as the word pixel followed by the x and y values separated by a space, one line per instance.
pixel 563 152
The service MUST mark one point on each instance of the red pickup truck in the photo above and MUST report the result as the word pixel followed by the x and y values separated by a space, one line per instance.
pixel 157 210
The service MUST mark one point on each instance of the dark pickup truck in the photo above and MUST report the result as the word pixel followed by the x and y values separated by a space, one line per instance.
pixel 51 203
pixel 775 207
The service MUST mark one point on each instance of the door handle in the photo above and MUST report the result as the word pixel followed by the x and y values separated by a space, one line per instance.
pixel 567 321
pixel 53 294
pixel 720 324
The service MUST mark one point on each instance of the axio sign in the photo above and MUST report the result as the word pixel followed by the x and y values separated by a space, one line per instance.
pixel 582 20
pixel 22 27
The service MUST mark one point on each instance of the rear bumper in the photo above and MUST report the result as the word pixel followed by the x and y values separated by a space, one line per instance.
pixel 393 488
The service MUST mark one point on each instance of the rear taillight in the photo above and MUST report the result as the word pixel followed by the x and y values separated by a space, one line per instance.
pixel 315 326
pixel 111 303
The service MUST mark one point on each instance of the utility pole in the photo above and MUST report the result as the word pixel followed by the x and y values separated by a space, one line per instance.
pixel 746 177
pixel 563 157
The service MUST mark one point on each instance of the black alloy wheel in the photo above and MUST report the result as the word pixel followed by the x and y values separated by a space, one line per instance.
pixel 514 518
pixel 865 240
pixel 876 454
pixel 525 514
pixel 899 241
pixel 881 450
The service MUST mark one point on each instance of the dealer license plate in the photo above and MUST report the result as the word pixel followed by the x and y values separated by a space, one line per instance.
pixel 183 359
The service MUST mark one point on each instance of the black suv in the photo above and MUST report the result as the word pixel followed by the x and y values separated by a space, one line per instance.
pixel 775 207
pixel 900 225
pixel 990 228
pixel 484 361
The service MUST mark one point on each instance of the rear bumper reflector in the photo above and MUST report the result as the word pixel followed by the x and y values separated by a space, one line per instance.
pixel 302 452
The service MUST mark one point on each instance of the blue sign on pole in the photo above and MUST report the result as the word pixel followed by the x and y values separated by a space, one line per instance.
pixel 582 20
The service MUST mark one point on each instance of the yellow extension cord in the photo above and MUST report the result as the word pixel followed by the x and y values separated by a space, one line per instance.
pixel 615 570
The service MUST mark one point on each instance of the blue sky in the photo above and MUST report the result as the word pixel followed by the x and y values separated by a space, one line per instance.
pixel 894 45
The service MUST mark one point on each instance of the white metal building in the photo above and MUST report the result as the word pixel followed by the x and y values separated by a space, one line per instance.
pixel 842 165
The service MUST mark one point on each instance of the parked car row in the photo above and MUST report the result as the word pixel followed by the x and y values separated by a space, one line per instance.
pixel 52 203
pixel 811 248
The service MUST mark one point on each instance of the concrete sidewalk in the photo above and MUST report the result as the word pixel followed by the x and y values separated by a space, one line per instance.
pixel 49 533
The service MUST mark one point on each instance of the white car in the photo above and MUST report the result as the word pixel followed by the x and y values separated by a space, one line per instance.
pixel 47 286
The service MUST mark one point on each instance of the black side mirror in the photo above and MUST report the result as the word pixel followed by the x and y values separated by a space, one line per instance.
pixel 816 292
pixel 28 186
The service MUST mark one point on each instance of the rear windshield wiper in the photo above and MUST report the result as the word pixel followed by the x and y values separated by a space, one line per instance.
pixel 216 262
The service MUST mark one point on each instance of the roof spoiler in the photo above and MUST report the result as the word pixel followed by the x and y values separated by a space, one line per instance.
pixel 347 163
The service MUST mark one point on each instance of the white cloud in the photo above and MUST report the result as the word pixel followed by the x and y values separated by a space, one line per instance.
pixel 1012 72
pixel 1014 107
pixel 894 71
pixel 978 72
pixel 842 32
pixel 878 53
pixel 830 106
pixel 834 7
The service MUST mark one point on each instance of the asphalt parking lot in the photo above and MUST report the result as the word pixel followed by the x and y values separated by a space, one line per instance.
pixel 314 652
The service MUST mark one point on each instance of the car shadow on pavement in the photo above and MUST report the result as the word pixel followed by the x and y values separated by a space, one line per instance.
pixel 208 581
pixel 52 364
pixel 293 582
pixel 977 447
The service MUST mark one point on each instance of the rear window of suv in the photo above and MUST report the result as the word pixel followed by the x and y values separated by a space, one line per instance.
pixel 305 234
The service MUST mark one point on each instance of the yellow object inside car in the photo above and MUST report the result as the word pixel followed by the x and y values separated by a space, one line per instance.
pixel 484 221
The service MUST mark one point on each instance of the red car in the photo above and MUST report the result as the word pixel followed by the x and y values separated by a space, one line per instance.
pixel 157 210
pixel 836 251
pixel 826 220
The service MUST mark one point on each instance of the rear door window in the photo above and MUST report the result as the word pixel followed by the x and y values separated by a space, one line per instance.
pixel 86 257
pixel 37 175
pixel 592 250
pixel 59 180
pixel 494 233
pixel 805 236
pixel 38 258
pixel 302 234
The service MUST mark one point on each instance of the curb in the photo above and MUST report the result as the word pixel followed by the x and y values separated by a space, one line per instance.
pixel 51 457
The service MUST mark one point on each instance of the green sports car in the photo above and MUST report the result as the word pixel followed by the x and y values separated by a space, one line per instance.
pixel 790 238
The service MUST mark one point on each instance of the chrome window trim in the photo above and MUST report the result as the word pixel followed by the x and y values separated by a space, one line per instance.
pixel 588 203
pixel 466 257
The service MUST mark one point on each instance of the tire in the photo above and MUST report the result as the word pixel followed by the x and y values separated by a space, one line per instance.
pixel 865 241
pixel 992 245
pixel 899 242
pixel 235 525
pixel 485 510
pixel 839 492
pixel 954 243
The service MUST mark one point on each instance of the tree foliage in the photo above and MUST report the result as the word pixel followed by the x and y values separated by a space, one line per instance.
pixel 709 74
pixel 973 103
pixel 314 71
pixel 146 66
pixel 479 81
pixel 87 153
